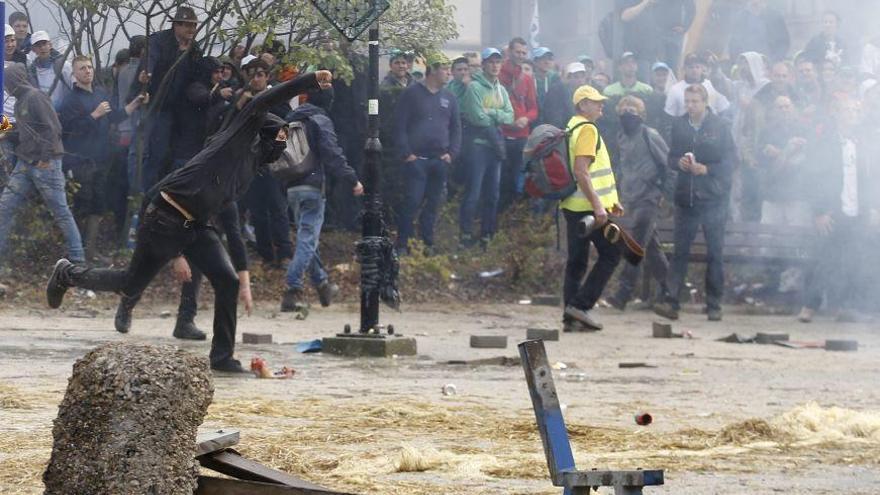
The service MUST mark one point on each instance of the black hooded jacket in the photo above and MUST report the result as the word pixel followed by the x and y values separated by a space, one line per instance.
pixel 201 104
pixel 36 123
pixel 322 141
pixel 224 169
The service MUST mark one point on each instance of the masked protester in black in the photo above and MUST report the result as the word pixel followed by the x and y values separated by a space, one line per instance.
pixel 176 219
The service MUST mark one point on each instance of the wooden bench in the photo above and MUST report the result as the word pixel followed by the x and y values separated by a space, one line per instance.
pixel 554 436
pixel 749 243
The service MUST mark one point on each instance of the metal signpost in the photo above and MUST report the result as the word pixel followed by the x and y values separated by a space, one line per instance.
pixel 376 254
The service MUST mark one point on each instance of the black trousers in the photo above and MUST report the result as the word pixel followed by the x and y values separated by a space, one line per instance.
pixel 584 295
pixel 267 204
pixel 839 271
pixel 162 236
pixel 189 291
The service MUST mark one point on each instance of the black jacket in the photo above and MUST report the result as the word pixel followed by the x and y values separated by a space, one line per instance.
pixel 224 169
pixel 87 139
pixel 712 145
pixel 558 108
pixel 322 141
pixel 201 102
pixel 167 92
pixel 643 34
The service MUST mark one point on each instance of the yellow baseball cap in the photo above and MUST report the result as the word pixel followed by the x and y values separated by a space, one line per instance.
pixel 587 92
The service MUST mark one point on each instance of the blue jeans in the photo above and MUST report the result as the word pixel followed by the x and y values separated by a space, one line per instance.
pixel 49 182
pixel 482 180
pixel 425 181
pixel 687 221
pixel 308 210
pixel 7 148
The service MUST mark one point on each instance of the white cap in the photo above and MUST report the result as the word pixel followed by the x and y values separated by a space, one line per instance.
pixel 247 59
pixel 39 36
pixel 9 31
pixel 575 67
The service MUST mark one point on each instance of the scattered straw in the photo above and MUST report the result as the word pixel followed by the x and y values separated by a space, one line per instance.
pixel 407 447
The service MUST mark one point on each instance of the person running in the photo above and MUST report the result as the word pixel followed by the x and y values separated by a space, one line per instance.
pixel 176 219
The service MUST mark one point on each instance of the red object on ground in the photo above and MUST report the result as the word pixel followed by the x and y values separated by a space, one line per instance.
pixel 644 419
pixel 260 368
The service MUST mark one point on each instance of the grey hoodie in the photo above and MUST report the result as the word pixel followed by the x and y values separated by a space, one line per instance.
pixel 37 125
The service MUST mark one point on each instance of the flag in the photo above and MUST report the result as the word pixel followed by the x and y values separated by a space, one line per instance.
pixel 535 27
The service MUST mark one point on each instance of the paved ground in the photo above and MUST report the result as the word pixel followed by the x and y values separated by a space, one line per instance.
pixel 382 426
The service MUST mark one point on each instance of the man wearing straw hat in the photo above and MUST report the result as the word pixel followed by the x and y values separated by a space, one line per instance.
pixel 171 65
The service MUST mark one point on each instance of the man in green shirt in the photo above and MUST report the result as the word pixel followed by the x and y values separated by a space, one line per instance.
pixel 629 83
pixel 485 107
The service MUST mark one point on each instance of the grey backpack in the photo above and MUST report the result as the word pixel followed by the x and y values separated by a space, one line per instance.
pixel 298 161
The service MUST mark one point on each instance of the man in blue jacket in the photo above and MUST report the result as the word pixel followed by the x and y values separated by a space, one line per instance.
pixel 427 130
pixel 86 115
pixel 306 197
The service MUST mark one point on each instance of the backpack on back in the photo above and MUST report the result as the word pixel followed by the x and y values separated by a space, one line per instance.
pixel 546 168
pixel 298 161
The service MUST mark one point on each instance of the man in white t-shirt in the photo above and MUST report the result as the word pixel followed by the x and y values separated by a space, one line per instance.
pixel 49 66
pixel 695 69
pixel 840 203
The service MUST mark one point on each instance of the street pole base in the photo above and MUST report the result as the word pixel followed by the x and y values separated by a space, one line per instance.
pixel 376 344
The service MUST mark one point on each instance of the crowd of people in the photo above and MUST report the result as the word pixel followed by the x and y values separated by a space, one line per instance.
pixel 764 133
pixel 730 138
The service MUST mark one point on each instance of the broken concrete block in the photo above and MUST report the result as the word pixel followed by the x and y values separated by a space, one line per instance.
pixel 662 330
pixel 489 341
pixel 841 345
pixel 769 338
pixel 350 345
pixel 128 422
pixel 256 338
pixel 545 334
pixel 546 300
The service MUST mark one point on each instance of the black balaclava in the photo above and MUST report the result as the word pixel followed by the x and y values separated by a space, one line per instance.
pixel 270 148
pixel 630 123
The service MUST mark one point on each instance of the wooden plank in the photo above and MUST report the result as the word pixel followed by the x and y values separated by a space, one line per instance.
pixel 209 485
pixel 212 441
pixel 231 463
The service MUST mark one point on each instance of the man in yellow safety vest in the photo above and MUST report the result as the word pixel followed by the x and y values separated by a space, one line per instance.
pixel 586 213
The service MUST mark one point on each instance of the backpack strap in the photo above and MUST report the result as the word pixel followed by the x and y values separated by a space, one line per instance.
pixel 569 132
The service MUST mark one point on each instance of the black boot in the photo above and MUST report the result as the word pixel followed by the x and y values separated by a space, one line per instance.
pixel 229 366
pixel 123 312
pixel 327 291
pixel 186 329
pixel 58 283
pixel 293 300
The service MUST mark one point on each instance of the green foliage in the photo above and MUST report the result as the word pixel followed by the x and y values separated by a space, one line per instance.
pixel 95 26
